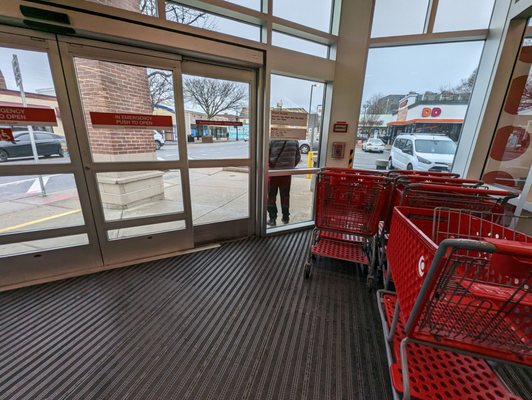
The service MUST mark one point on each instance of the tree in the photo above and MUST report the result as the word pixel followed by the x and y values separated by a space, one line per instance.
pixel 466 85
pixel 374 107
pixel 161 87
pixel 214 96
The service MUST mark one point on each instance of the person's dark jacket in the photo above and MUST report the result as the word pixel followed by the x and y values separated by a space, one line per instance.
pixel 284 153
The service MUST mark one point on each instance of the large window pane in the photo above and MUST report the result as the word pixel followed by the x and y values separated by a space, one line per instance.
pixel 291 98
pixel 312 13
pixel 290 199
pixel 137 194
pixel 424 105
pixel 44 140
pixel 216 117
pixel 399 17
pixel 139 96
pixel 201 19
pixel 253 4
pixel 301 45
pixel 456 15
pixel 147 7
pixel 510 156
pixel 30 203
pixel 219 194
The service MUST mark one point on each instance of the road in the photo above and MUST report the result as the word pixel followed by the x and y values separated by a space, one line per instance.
pixel 11 185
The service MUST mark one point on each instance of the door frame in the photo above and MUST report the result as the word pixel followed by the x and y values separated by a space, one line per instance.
pixel 205 233
pixel 27 268
pixel 121 251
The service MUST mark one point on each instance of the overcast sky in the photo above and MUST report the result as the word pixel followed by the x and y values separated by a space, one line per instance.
pixel 389 70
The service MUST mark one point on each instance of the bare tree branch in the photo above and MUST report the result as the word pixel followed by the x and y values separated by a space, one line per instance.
pixel 214 96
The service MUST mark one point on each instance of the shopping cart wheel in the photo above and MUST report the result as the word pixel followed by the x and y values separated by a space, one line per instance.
pixel 308 270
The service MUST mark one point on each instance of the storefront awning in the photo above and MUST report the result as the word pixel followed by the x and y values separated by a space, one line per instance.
pixel 427 121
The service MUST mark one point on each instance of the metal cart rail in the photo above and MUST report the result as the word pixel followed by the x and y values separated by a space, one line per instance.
pixel 463 283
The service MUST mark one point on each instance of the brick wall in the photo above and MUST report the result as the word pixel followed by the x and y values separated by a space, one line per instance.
pixel 117 88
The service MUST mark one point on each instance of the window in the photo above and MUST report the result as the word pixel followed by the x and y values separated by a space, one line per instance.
pixel 415 90
pixel 191 16
pixel 456 15
pixel 510 156
pixel 399 17
pixel 435 146
pixel 253 4
pixel 312 13
pixel 292 98
pixel 301 45
pixel 146 7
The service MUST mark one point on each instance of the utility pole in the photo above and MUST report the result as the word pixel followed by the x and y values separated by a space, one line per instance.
pixel 309 113
pixel 18 79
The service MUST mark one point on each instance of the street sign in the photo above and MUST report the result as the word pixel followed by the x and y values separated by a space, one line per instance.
pixel 27 116
pixel 112 120
pixel 288 133
pixel 218 123
pixel 16 70
pixel 6 135
pixel 289 118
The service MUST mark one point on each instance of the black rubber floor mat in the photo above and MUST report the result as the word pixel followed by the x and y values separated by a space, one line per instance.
pixel 237 322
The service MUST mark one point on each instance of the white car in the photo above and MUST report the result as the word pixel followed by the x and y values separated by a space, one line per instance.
pixel 159 140
pixel 422 152
pixel 373 145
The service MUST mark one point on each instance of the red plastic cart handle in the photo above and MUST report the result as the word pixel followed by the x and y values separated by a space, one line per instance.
pixel 437 179
pixel 461 189
pixel 354 176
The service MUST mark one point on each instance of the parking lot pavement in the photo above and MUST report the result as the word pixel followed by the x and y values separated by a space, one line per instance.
pixel 363 160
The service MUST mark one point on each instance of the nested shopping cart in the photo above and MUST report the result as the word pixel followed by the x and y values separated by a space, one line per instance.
pixel 438 192
pixel 349 206
pixel 463 283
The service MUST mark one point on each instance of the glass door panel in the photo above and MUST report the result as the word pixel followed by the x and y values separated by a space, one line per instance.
pixel 130 126
pixel 217 118
pixel 45 214
pixel 220 120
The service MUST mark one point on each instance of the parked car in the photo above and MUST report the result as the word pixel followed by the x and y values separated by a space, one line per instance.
pixel 304 146
pixel 48 144
pixel 159 140
pixel 373 145
pixel 422 152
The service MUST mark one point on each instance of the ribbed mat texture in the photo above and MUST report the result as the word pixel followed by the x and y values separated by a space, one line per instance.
pixel 237 322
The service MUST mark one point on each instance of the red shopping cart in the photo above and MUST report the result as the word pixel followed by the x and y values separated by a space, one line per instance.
pixel 463 281
pixel 453 193
pixel 348 208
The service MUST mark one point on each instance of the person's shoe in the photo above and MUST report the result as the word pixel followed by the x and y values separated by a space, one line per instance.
pixel 271 222
pixel 285 220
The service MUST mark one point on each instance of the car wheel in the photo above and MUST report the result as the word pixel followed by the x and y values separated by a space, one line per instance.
pixel 390 163
pixel 409 167
pixel 60 152
pixel 3 156
pixel 382 151
pixel 304 149
pixel 157 145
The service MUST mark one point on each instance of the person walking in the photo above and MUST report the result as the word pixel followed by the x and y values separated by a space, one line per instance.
pixel 283 154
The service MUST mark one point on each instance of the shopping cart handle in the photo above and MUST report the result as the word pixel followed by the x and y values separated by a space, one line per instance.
pixel 512 248
pixel 460 189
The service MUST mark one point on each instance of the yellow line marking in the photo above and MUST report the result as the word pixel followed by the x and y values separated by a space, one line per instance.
pixel 38 221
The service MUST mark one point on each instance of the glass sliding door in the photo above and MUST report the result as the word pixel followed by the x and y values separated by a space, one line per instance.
pixel 45 218
pixel 220 126
pixel 128 113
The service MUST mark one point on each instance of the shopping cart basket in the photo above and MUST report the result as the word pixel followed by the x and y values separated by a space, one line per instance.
pixel 348 209
pixel 463 284
pixel 455 193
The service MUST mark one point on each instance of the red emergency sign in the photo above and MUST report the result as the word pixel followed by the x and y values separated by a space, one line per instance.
pixel 112 120
pixel 27 116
